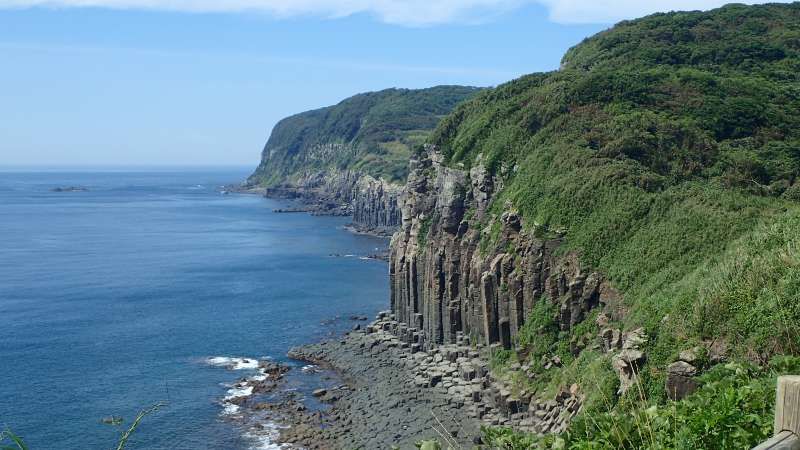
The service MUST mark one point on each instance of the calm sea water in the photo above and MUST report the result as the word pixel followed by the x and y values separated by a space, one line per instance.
pixel 114 299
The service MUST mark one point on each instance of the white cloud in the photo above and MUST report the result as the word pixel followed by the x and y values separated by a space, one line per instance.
pixel 610 11
pixel 404 12
pixel 338 64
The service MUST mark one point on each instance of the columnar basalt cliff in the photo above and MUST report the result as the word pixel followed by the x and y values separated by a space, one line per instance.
pixel 375 206
pixel 372 202
pixel 444 284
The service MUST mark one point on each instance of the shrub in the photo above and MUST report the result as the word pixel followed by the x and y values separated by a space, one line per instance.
pixel 732 409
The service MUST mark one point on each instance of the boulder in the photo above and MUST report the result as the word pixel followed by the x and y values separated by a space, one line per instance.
pixel 690 356
pixel 319 392
pixel 679 382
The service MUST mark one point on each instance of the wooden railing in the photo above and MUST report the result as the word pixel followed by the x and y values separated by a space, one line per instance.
pixel 787 416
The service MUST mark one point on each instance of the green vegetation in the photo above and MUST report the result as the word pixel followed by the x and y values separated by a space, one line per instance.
pixel 539 333
pixel 372 132
pixel 733 409
pixel 656 176
pixel 123 440
pixel 424 229
pixel 19 444
pixel 428 445
pixel 666 151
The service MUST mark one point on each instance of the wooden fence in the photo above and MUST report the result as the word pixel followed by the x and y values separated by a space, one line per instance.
pixel 787 416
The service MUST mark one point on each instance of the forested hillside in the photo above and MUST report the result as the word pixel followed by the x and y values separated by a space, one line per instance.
pixel 370 133
pixel 633 216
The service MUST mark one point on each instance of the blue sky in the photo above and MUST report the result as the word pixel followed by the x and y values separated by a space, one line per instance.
pixel 184 82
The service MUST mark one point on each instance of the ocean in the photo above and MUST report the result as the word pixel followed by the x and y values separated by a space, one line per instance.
pixel 146 288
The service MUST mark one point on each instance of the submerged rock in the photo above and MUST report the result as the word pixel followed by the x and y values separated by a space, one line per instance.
pixel 70 189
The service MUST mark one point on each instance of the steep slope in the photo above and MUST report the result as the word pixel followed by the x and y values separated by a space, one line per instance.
pixel 350 158
pixel 597 221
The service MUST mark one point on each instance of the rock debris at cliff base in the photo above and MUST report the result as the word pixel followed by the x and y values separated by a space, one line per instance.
pixel 397 395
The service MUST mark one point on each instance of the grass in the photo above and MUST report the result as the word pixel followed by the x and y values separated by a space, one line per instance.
pixel 123 440
pixel 18 443
pixel 424 230
pixel 733 409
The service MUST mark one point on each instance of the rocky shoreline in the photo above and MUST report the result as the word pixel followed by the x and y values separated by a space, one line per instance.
pixel 309 201
pixel 392 393
pixel 373 203
pixel 243 189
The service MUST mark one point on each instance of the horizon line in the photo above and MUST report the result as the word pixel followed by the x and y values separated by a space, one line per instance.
pixel 121 167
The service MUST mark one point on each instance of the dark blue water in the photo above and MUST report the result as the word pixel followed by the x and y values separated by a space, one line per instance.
pixel 113 299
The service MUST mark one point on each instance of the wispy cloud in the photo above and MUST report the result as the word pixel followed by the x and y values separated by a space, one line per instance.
pixel 333 64
pixel 402 12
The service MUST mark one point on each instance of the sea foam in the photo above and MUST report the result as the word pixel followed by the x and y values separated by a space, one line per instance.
pixel 264 438
pixel 233 363
pixel 239 391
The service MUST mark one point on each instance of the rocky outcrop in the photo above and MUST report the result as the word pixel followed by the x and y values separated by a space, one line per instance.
pixel 449 278
pixel 372 202
pixel 629 361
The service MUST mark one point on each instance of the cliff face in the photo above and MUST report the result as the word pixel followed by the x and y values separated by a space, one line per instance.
pixel 375 205
pixel 351 158
pixel 372 202
pixel 443 282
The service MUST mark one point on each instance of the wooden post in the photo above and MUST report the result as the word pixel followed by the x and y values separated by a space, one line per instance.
pixel 787 405
pixel 787 416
